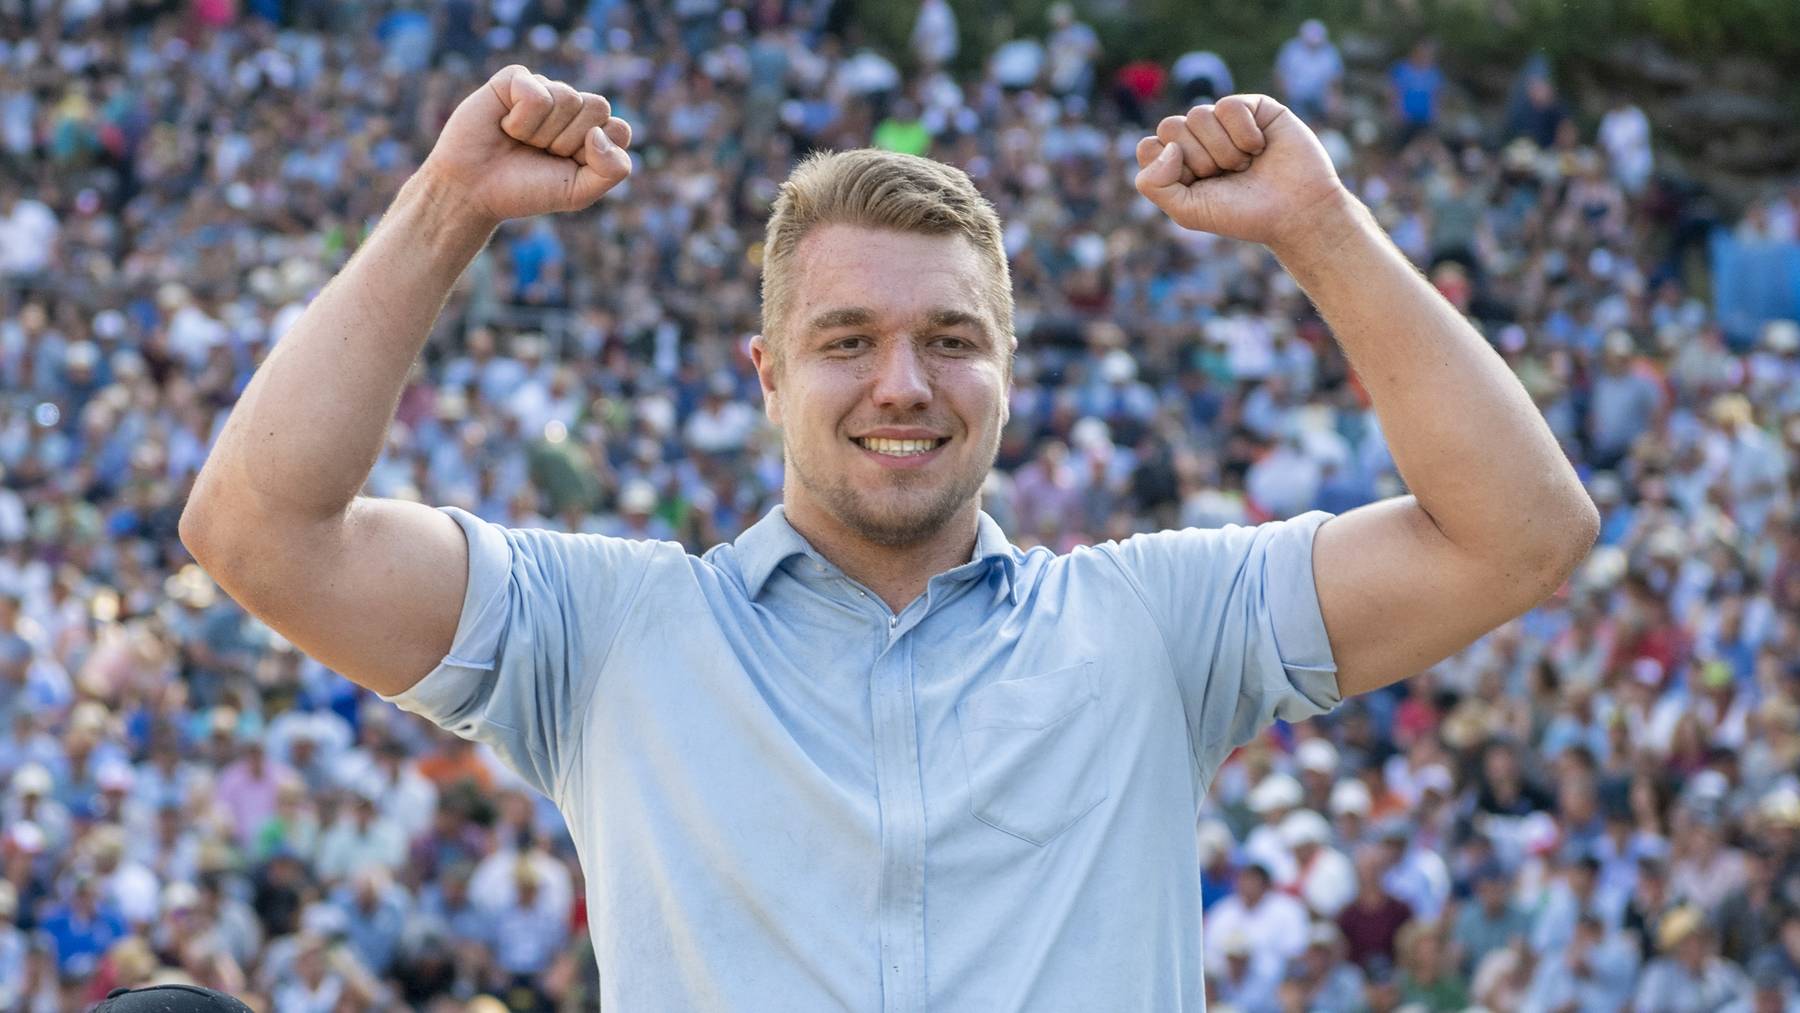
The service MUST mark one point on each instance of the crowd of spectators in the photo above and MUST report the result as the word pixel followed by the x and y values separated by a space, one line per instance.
pixel 1594 807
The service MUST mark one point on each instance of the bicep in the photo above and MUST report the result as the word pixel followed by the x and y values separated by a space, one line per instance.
pixel 374 595
pixel 1398 596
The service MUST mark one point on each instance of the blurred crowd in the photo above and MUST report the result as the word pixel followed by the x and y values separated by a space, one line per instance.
pixel 1593 808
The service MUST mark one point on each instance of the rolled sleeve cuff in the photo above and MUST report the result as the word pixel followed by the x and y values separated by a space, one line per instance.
pixel 1297 622
pixel 446 691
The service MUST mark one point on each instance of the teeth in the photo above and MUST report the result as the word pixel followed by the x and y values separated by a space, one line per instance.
pixel 897 448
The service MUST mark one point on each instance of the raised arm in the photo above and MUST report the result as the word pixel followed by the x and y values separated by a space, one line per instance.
pixel 371 587
pixel 1496 519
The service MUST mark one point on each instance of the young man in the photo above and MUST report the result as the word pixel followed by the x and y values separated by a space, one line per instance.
pixel 870 755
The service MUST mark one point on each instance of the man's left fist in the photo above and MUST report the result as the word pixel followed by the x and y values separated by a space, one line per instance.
pixel 1245 168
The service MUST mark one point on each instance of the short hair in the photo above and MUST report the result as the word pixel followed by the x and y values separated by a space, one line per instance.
pixel 879 189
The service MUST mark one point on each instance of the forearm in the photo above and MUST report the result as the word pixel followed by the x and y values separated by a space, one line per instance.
pixel 1465 436
pixel 307 430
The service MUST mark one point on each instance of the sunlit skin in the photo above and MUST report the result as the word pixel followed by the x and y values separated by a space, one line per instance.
pixel 887 335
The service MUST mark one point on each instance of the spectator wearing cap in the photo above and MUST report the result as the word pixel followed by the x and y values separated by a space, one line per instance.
pixel 1307 71
pixel 1350 807
pixel 114 779
pixel 495 879
pixel 1273 798
pixel 1689 976
pixel 527 933
pixel 637 514
pixel 1274 920
pixel 1488 920
pixel 1218 870
pixel 1317 762
pixel 1324 877
pixel 30 801
pixel 1247 977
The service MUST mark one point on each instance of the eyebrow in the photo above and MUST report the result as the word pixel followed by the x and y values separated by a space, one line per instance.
pixel 956 318
pixel 859 316
pixel 849 316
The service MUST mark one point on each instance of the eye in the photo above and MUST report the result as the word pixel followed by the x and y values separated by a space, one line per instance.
pixel 853 343
pixel 952 343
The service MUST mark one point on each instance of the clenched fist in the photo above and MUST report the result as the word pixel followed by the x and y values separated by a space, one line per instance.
pixel 1245 168
pixel 524 145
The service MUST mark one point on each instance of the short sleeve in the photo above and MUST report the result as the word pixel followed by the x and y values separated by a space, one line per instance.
pixel 538 620
pixel 1239 611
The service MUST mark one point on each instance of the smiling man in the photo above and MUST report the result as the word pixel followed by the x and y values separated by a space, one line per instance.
pixel 870 755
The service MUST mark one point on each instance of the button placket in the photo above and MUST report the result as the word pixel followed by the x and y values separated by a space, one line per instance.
pixel 901 802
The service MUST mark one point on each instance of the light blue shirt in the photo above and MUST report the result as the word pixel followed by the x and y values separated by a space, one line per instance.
pixel 786 797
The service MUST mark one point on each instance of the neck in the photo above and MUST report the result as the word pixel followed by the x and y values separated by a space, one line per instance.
pixel 896 573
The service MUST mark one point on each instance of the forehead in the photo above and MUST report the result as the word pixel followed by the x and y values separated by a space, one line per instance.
pixel 898 275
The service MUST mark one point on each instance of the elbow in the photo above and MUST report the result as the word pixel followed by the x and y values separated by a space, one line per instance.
pixel 1583 526
pixel 1574 528
pixel 201 533
pixel 191 529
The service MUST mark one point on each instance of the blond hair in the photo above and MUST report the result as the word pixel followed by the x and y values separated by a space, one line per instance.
pixel 879 189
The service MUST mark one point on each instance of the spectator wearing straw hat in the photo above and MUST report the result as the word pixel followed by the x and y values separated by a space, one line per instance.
pixel 1690 976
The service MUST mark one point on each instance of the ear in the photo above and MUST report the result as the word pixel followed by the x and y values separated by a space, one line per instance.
pixel 764 360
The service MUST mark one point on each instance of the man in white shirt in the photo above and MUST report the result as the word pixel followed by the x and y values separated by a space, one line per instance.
pixel 1276 921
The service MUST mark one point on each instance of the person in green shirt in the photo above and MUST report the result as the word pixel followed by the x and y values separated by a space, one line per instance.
pixel 1427 977
pixel 903 131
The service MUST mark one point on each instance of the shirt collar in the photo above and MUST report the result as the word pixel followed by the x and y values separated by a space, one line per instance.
pixel 772 541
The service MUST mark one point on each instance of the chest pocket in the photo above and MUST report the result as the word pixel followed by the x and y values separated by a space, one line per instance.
pixel 1035 752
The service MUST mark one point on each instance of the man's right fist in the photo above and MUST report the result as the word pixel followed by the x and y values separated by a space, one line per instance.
pixel 524 145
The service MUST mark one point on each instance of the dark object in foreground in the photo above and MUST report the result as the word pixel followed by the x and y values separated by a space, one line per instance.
pixel 169 999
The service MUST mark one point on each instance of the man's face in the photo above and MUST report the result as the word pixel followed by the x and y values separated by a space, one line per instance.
pixel 892 381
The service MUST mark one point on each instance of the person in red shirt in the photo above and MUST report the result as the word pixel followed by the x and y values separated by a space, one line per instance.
pixel 1373 918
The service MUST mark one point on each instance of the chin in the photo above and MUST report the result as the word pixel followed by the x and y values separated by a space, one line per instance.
pixel 897 524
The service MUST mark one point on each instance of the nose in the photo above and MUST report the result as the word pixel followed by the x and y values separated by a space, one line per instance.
pixel 900 380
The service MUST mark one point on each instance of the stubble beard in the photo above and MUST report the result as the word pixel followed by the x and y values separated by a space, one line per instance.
pixel 908 517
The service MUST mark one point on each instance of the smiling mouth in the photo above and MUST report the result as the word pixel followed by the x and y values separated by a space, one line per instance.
pixel 899 448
